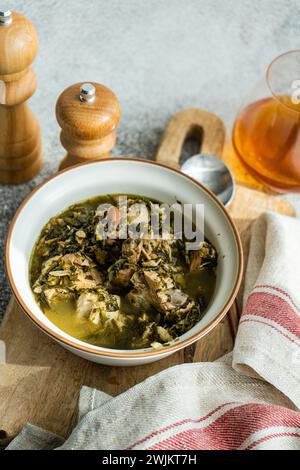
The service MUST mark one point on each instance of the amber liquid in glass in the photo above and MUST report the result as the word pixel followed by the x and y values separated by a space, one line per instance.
pixel 266 136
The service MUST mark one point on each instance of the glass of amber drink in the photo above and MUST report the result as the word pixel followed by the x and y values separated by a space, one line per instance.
pixel 266 133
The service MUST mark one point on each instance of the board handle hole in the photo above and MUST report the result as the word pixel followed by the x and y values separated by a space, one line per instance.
pixel 192 143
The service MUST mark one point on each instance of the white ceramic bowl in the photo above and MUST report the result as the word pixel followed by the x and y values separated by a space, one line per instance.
pixel 120 175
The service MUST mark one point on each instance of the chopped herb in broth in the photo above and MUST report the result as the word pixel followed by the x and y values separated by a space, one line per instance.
pixel 118 293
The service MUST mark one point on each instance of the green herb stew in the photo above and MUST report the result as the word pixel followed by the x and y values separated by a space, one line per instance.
pixel 121 293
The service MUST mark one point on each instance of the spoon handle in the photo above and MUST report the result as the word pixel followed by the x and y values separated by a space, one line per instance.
pixel 207 128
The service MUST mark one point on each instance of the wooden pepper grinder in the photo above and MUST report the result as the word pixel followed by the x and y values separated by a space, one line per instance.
pixel 88 114
pixel 20 145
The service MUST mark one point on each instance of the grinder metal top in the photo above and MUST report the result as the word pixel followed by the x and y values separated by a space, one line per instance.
pixel 5 15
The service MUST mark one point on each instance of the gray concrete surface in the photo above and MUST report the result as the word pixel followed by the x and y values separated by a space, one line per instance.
pixel 158 56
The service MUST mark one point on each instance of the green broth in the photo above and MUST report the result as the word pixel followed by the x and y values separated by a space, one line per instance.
pixel 70 235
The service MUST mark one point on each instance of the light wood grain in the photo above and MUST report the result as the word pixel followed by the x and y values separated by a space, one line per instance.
pixel 201 125
pixel 88 129
pixel 19 44
pixel 20 150
pixel 40 382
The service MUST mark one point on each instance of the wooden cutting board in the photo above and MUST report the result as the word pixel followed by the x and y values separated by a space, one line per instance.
pixel 40 381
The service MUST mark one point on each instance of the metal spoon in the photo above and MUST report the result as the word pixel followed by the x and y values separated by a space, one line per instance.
pixel 213 173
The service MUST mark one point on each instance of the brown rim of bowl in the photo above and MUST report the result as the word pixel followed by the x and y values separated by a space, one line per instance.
pixel 87 349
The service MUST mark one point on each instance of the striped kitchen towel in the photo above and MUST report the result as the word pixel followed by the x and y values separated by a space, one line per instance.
pixel 268 340
pixel 248 400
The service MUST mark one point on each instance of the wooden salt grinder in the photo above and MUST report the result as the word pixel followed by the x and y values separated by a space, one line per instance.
pixel 20 146
pixel 88 114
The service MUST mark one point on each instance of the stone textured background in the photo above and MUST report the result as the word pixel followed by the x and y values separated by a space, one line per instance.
pixel 158 56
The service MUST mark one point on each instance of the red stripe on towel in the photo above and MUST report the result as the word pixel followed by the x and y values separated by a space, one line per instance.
pixel 281 291
pixel 229 431
pixel 275 308
pixel 272 436
pixel 184 421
